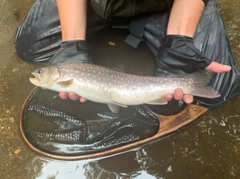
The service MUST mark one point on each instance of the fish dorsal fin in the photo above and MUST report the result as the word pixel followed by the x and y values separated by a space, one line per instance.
pixel 159 101
pixel 65 82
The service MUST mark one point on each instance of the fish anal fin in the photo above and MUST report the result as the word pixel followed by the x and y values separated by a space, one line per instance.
pixel 159 101
pixel 65 83
pixel 205 92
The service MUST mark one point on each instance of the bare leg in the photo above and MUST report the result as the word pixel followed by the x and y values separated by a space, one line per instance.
pixel 184 17
pixel 183 20
pixel 73 18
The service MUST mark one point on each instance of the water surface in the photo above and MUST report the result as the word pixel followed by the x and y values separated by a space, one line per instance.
pixel 208 148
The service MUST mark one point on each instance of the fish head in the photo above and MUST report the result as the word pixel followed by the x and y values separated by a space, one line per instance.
pixel 45 77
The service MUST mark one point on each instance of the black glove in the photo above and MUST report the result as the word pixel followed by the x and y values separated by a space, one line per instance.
pixel 72 51
pixel 178 56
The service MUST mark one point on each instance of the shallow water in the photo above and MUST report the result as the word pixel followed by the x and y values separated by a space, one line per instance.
pixel 207 148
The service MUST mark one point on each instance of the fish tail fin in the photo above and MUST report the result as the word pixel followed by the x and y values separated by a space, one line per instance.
pixel 201 79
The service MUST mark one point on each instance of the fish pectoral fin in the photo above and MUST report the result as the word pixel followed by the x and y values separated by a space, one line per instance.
pixel 159 101
pixel 114 106
pixel 65 83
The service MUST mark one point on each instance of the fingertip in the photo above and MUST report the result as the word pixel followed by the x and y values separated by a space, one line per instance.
pixel 218 67
pixel 73 96
pixel 63 95
pixel 82 100
pixel 188 99
pixel 168 97
pixel 178 94
pixel 227 68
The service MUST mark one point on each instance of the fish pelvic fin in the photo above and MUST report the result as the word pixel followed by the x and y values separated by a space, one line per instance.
pixel 65 83
pixel 114 106
pixel 201 80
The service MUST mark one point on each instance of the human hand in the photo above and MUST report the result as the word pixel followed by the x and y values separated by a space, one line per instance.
pixel 178 56
pixel 178 93
pixel 72 96
pixel 72 51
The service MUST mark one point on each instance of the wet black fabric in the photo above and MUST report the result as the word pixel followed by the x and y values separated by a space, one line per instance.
pixel 205 1
pixel 127 8
pixel 73 51
pixel 177 56
pixel 39 38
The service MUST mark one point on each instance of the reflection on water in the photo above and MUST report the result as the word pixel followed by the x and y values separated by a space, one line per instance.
pixel 208 148
pixel 51 169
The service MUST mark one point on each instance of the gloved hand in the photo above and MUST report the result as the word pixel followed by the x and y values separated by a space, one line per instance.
pixel 73 51
pixel 178 56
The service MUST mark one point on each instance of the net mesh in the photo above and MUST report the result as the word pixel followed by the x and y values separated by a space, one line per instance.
pixel 73 128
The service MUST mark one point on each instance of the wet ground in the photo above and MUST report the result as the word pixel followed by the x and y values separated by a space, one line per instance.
pixel 208 148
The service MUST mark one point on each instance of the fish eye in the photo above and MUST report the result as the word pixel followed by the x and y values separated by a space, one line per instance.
pixel 39 71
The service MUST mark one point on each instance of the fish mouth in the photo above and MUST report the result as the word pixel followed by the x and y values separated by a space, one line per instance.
pixel 36 80
pixel 36 77
pixel 33 80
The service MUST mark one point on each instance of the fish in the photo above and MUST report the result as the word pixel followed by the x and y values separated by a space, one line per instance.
pixel 115 88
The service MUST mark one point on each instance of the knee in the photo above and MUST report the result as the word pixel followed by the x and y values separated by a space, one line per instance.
pixel 22 47
pixel 36 48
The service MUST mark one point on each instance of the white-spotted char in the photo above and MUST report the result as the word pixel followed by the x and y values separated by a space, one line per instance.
pixel 104 85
